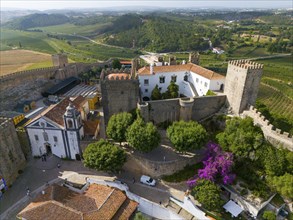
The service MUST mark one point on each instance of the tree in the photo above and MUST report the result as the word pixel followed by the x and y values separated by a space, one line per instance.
pixel 117 126
pixel 105 156
pixel 186 136
pixel 283 185
pixel 172 91
pixel 275 162
pixel 241 137
pixel 116 64
pixel 269 215
pixel 156 93
pixel 217 166
pixel 141 136
pixel 208 194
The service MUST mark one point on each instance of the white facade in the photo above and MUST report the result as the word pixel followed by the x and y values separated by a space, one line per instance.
pixel 47 136
pixel 186 80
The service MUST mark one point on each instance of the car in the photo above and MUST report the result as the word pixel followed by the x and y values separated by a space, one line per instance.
pixel 147 180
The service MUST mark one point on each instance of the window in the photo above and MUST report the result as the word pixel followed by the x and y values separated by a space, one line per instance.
pixel 55 138
pixel 160 88
pixel 162 79
pixel 45 135
pixel 197 80
pixel 36 137
pixel 70 123
pixel 205 84
pixel 173 78
pixel 146 82
pixel 186 78
pixel 146 90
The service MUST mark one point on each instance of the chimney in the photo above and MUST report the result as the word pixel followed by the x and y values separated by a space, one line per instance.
pixel 152 68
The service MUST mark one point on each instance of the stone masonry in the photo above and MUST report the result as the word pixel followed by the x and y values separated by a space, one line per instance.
pixel 242 83
pixel 12 158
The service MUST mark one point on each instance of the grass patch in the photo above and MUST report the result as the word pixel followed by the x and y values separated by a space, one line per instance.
pixel 183 175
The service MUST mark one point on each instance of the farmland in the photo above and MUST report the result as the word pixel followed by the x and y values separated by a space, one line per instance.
pixel 18 60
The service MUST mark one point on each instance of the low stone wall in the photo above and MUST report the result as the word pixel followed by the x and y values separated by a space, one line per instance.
pixel 158 169
pixel 206 106
pixel 274 136
pixel 174 109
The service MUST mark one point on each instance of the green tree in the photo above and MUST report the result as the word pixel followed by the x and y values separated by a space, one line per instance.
pixel 269 215
pixel 241 137
pixel 275 162
pixel 141 136
pixel 172 91
pixel 283 184
pixel 104 156
pixel 117 126
pixel 186 136
pixel 116 64
pixel 156 93
pixel 139 216
pixel 208 194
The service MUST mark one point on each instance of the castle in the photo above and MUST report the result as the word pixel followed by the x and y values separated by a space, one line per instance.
pixel 240 90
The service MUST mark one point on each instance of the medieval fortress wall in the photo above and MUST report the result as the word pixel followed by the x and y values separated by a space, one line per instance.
pixel 274 136
pixel 12 158
pixel 28 85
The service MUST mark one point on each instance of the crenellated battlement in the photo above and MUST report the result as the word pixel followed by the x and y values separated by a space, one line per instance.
pixel 246 64
pixel 274 135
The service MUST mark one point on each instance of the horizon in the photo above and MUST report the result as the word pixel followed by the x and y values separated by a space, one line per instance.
pixel 100 5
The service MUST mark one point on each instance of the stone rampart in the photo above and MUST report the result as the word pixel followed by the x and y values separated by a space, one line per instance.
pixel 274 135
pixel 11 156
pixel 172 109
pixel 28 85
pixel 160 168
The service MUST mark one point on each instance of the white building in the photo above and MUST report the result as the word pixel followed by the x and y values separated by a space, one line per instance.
pixel 218 50
pixel 193 80
pixel 59 129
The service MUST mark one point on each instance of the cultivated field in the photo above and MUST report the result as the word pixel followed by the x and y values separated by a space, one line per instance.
pixel 18 60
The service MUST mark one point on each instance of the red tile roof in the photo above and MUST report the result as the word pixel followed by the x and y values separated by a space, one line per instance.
pixel 98 202
pixel 209 74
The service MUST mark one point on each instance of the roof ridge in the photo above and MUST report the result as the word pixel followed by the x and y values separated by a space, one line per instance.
pixel 106 199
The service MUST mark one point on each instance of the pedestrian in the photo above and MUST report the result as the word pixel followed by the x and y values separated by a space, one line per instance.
pixel 160 203
pixel 133 180
pixel 28 192
pixel 58 165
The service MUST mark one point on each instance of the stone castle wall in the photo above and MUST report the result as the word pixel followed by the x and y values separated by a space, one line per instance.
pixel 172 109
pixel 275 137
pixel 28 85
pixel 12 158
pixel 119 95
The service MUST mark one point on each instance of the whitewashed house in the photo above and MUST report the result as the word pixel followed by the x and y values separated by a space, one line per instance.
pixel 193 80
pixel 59 129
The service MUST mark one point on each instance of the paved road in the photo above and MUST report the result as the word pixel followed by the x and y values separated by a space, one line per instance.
pixel 38 172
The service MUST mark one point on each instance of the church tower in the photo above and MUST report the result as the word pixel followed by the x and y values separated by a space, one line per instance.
pixel 242 83
pixel 73 130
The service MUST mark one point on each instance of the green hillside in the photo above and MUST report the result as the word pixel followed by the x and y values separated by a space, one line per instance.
pixel 37 20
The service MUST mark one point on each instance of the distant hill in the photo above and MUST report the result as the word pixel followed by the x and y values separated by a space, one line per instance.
pixel 36 20
pixel 155 33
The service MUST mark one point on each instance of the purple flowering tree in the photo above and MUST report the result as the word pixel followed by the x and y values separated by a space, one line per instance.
pixel 217 166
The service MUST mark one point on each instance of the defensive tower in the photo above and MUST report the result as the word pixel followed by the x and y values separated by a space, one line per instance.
pixel 242 83
pixel 194 58
pixel 59 60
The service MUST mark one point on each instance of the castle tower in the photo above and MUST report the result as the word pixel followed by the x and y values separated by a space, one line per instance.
pixel 194 58
pixel 172 60
pixel 59 60
pixel 241 84
pixel 186 108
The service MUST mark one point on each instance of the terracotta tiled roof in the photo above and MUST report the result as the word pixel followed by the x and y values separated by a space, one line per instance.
pixel 126 210
pixel 114 76
pixel 125 62
pixel 98 202
pixel 209 74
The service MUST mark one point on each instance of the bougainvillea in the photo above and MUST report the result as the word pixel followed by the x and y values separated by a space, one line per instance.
pixel 217 166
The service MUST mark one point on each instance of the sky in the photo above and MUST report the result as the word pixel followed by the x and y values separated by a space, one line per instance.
pixel 56 4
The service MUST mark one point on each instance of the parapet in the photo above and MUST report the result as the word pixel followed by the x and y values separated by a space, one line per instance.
pixel 186 102
pixel 246 64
